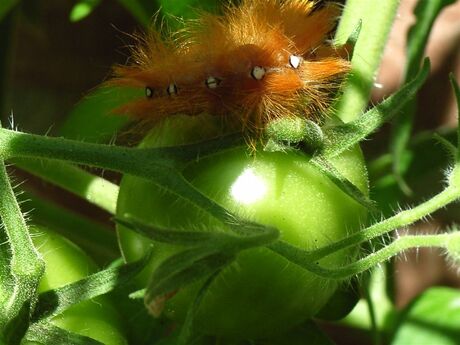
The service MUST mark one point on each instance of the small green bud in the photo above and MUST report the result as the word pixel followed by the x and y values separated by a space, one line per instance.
pixel 289 130
pixel 293 131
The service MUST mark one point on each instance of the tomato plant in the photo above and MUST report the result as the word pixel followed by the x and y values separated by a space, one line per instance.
pixel 273 188
pixel 303 201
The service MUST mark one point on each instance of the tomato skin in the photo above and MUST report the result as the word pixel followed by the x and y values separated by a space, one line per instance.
pixel 261 293
pixel 67 263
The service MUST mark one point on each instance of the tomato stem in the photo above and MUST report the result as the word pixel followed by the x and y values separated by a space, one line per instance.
pixel 24 266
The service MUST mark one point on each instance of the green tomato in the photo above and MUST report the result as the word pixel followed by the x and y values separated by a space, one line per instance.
pixel 65 264
pixel 261 293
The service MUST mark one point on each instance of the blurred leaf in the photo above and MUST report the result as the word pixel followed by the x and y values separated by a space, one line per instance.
pixel 82 9
pixel 142 10
pixel 426 12
pixel 432 318
pixel 185 9
pixel 93 118
pixel 426 175
pixel 6 6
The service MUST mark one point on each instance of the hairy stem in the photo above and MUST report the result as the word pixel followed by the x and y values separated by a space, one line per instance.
pixel 160 165
pixel 26 265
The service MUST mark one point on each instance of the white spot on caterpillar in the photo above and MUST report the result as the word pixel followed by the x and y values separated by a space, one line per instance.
pixel 212 82
pixel 294 61
pixel 258 73
pixel 248 187
pixel 172 89
pixel 148 92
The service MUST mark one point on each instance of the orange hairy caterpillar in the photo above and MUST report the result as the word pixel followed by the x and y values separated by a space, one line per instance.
pixel 259 61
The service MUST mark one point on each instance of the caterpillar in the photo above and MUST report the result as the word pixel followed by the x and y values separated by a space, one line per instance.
pixel 257 62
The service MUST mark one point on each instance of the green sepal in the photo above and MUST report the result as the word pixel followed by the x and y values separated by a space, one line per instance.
pixel 181 269
pixel 249 234
pixel 342 182
pixel 208 252
pixel 188 333
pixel 354 36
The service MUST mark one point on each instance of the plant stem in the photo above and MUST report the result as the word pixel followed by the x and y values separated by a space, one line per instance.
pixel 377 257
pixel 394 248
pixel 160 165
pixel 26 265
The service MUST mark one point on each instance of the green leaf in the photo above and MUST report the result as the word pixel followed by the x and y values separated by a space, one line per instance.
pixel 54 302
pixel 186 9
pixel 250 235
pixel 93 119
pixel 48 334
pixel 354 36
pixel 426 12
pixel 432 318
pixel 82 9
pixel 6 6
pixel 180 237
pixel 342 137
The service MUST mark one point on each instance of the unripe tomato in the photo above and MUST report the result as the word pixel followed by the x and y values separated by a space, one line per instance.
pixel 66 263
pixel 261 293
